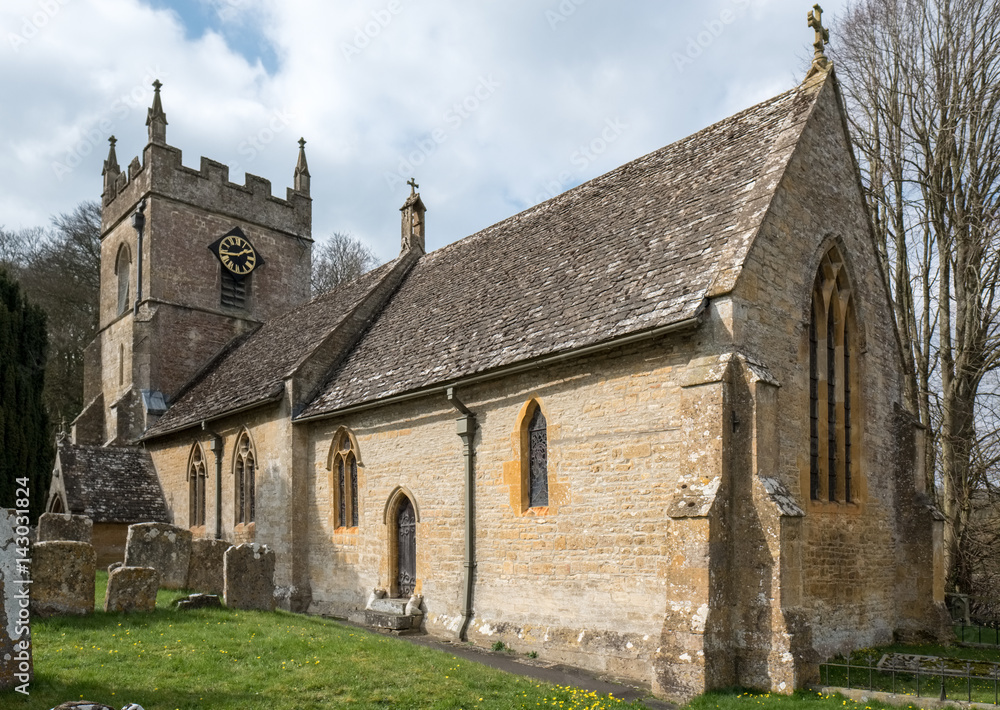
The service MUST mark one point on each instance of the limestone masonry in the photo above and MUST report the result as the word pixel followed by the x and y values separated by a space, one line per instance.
pixel 651 427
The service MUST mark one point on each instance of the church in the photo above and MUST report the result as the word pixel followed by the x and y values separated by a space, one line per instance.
pixel 652 427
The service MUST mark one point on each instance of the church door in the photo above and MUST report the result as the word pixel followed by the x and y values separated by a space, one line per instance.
pixel 406 544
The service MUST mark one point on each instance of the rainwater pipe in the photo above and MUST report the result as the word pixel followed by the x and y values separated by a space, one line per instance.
pixel 216 446
pixel 138 224
pixel 467 431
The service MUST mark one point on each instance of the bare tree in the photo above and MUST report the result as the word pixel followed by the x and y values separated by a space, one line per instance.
pixel 922 81
pixel 339 259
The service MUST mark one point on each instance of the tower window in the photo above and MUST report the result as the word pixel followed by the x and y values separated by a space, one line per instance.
pixel 234 290
pixel 123 269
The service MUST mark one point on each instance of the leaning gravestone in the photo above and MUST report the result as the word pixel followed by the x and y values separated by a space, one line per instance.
pixel 15 642
pixel 58 526
pixel 205 573
pixel 132 589
pixel 166 548
pixel 62 578
pixel 249 577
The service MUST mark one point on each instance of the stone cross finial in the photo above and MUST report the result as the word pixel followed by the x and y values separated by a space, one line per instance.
pixel 820 61
pixel 413 186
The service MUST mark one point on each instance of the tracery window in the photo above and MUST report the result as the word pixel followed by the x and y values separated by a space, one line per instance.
pixel 196 488
pixel 123 269
pixel 345 482
pixel 832 387
pixel 538 454
pixel 245 471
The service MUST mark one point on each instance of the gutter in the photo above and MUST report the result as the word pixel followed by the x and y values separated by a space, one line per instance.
pixel 679 326
pixel 467 432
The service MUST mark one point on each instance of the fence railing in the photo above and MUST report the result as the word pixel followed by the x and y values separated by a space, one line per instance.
pixel 976 619
pixel 922 676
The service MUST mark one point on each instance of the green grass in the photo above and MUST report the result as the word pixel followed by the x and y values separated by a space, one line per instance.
pixel 801 700
pixel 221 659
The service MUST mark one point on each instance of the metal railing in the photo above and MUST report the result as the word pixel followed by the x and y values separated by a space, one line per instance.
pixel 975 619
pixel 922 676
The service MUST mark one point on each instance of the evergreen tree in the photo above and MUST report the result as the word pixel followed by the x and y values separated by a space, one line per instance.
pixel 26 449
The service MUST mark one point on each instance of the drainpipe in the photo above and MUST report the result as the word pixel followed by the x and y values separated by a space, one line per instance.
pixel 467 432
pixel 138 222
pixel 216 447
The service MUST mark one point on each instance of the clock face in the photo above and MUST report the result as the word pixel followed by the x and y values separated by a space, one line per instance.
pixel 237 254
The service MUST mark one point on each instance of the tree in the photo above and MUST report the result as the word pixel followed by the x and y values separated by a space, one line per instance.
pixel 26 446
pixel 339 259
pixel 922 82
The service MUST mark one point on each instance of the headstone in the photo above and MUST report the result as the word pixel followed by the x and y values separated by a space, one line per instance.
pixel 166 548
pixel 15 641
pixel 62 578
pixel 199 601
pixel 205 567
pixel 249 577
pixel 132 589
pixel 59 526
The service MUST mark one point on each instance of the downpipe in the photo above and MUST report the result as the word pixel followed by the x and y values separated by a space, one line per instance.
pixel 466 429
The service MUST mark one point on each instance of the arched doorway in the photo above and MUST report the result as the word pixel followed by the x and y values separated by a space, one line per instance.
pixel 406 547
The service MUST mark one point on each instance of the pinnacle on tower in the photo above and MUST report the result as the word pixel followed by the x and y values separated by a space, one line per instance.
pixel 111 168
pixel 156 120
pixel 301 179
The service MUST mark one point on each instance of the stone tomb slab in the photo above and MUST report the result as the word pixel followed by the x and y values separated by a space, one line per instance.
pixel 132 589
pixel 249 577
pixel 61 526
pixel 205 570
pixel 166 548
pixel 63 574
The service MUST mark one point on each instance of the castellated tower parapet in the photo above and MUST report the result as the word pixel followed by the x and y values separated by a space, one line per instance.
pixel 168 305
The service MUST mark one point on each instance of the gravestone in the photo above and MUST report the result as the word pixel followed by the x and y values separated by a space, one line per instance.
pixel 164 547
pixel 60 526
pixel 15 642
pixel 205 573
pixel 199 601
pixel 63 575
pixel 248 570
pixel 132 589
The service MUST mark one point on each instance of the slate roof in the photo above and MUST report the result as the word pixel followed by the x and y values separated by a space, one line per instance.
pixel 252 369
pixel 111 484
pixel 635 249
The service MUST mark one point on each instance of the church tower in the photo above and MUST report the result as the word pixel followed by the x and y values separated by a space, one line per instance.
pixel 189 261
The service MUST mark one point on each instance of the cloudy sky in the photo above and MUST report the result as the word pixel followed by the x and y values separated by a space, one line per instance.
pixel 492 105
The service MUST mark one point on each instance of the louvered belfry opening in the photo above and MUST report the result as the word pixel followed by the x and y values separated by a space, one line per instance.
pixel 832 369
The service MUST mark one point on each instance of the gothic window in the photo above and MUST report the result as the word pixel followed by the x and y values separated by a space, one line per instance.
pixel 832 386
pixel 245 470
pixel 344 468
pixel 234 289
pixel 196 488
pixel 123 268
pixel 538 454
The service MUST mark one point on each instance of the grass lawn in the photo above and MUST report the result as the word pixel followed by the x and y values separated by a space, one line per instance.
pixel 218 659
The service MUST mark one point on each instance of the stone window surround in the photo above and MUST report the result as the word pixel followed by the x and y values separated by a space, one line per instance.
pixel 516 473
pixel 123 270
pixel 244 519
pixel 833 285
pixel 197 476
pixel 344 446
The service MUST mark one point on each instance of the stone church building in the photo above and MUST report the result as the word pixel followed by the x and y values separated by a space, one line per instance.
pixel 650 427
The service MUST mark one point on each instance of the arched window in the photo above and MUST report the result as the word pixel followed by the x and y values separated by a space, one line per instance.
pixel 832 371
pixel 123 269
pixel 196 487
pixel 535 441
pixel 245 472
pixel 344 475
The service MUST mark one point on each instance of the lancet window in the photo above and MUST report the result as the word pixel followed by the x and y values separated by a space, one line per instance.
pixel 245 472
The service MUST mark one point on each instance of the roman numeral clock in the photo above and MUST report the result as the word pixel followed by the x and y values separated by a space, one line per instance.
pixel 236 254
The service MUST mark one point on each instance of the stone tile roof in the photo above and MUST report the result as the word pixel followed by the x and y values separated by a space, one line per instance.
pixel 638 248
pixel 251 371
pixel 114 484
